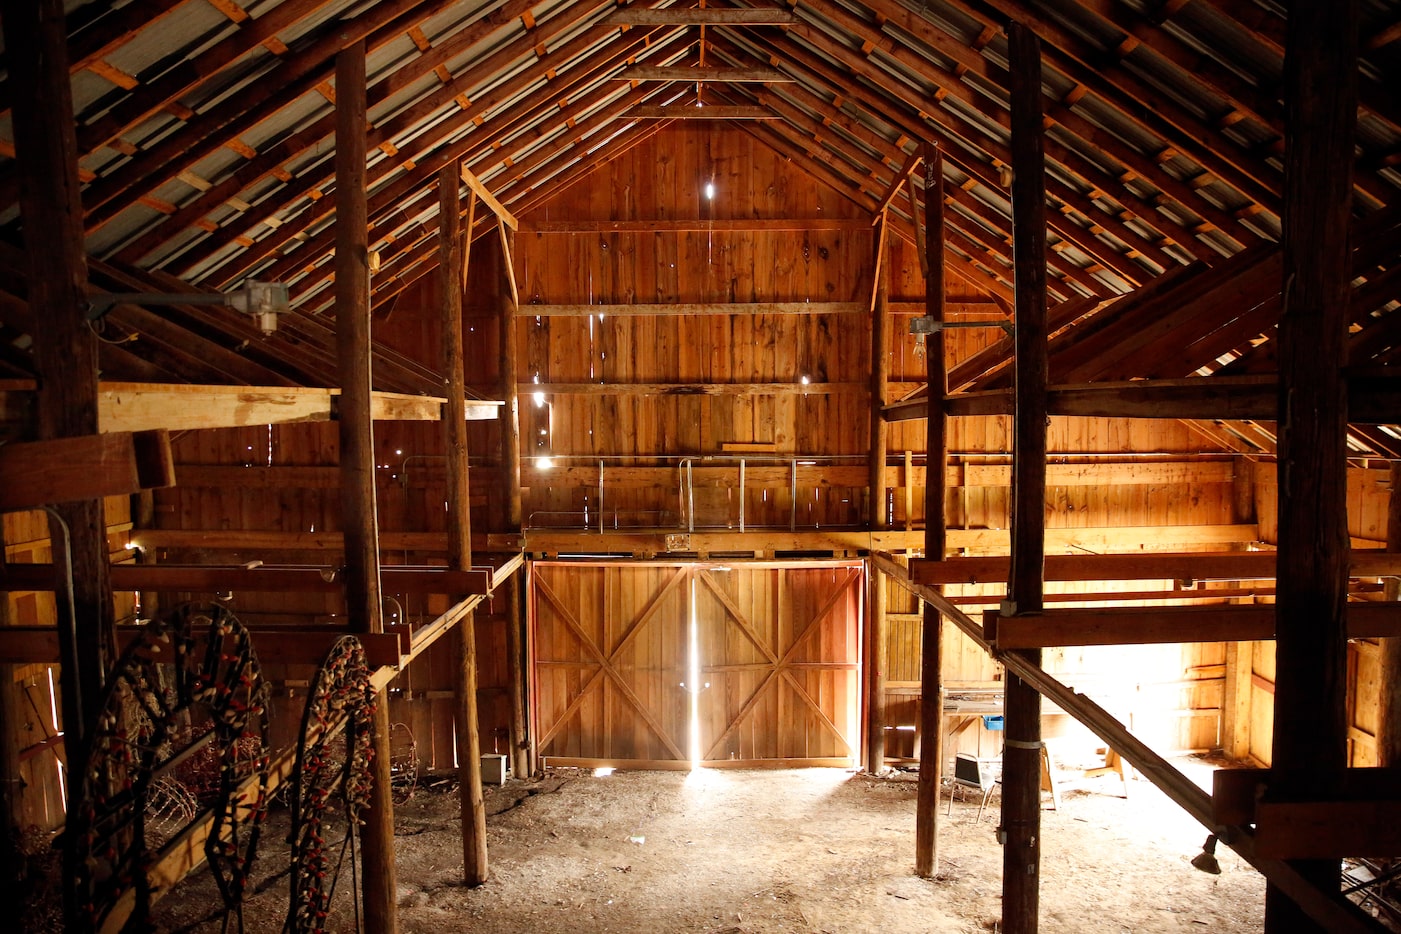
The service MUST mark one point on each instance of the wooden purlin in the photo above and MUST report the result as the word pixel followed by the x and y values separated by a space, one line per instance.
pixel 293 76
pixel 405 192
pixel 1094 137
pixel 951 131
pixel 187 75
pixel 558 61
pixel 271 159
pixel 1243 98
pixel 951 128
pixel 189 343
pixel 423 264
pixel 956 235
pixel 1155 112
pixel 1071 198
pixel 850 160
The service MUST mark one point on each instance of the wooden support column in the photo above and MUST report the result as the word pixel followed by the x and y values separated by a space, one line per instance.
pixel 876 512
pixel 876 648
pixel 1310 716
pixel 880 375
pixel 931 753
pixel 1389 703
pixel 13 712
pixel 1235 703
pixel 65 349
pixel 357 462
pixel 510 379
pixel 450 265
pixel 1021 757
pixel 521 765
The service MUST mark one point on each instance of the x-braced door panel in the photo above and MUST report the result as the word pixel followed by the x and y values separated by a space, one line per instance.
pixel 609 660
pixel 677 665
pixel 780 649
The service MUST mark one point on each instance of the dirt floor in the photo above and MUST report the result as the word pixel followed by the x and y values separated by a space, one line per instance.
pixel 768 851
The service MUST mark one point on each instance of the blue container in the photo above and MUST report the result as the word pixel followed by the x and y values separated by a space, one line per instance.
pixel 992 723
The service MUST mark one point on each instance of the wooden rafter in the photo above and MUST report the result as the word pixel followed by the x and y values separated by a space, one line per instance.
pixel 388 200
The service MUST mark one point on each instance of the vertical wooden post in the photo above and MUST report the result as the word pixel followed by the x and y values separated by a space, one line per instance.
pixel 876 649
pixel 65 348
pixel 450 250
pixel 1389 703
pixel 1235 703
pixel 510 378
pixel 511 479
pixel 357 461
pixel 880 375
pixel 1310 717
pixel 515 648
pixel 12 715
pixel 876 515
pixel 931 752
pixel 1021 757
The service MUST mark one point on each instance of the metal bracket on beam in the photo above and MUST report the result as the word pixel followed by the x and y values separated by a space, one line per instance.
pixel 927 325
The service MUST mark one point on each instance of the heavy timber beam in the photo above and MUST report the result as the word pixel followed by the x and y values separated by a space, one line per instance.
pixel 1021 757
pixel 136 407
pixel 451 280
pixel 1327 907
pixel 1154 625
pixel 956 136
pixel 65 348
pixel 1375 401
pixel 363 596
pixel 1202 142
pixel 1198 566
pixel 225 121
pixel 83 467
pixel 931 659
pixel 1310 710
pixel 293 75
pixel 960 570
pixel 986 174
pixel 532 170
pixel 208 578
pixel 702 17
pixel 892 156
pixel 1363 820
pixel 24 645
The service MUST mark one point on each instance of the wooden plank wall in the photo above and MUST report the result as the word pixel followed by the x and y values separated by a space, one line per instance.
pixel 568 254
pixel 283 479
pixel 1169 695
pixel 26 538
pixel 1368 499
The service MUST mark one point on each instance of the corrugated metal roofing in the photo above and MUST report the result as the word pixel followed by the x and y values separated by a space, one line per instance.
pixel 207 131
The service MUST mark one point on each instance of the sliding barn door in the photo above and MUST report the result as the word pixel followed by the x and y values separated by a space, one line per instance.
pixel 658 665
pixel 610 655
pixel 780 648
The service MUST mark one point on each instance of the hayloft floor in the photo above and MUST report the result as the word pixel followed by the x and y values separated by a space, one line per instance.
pixel 817 850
